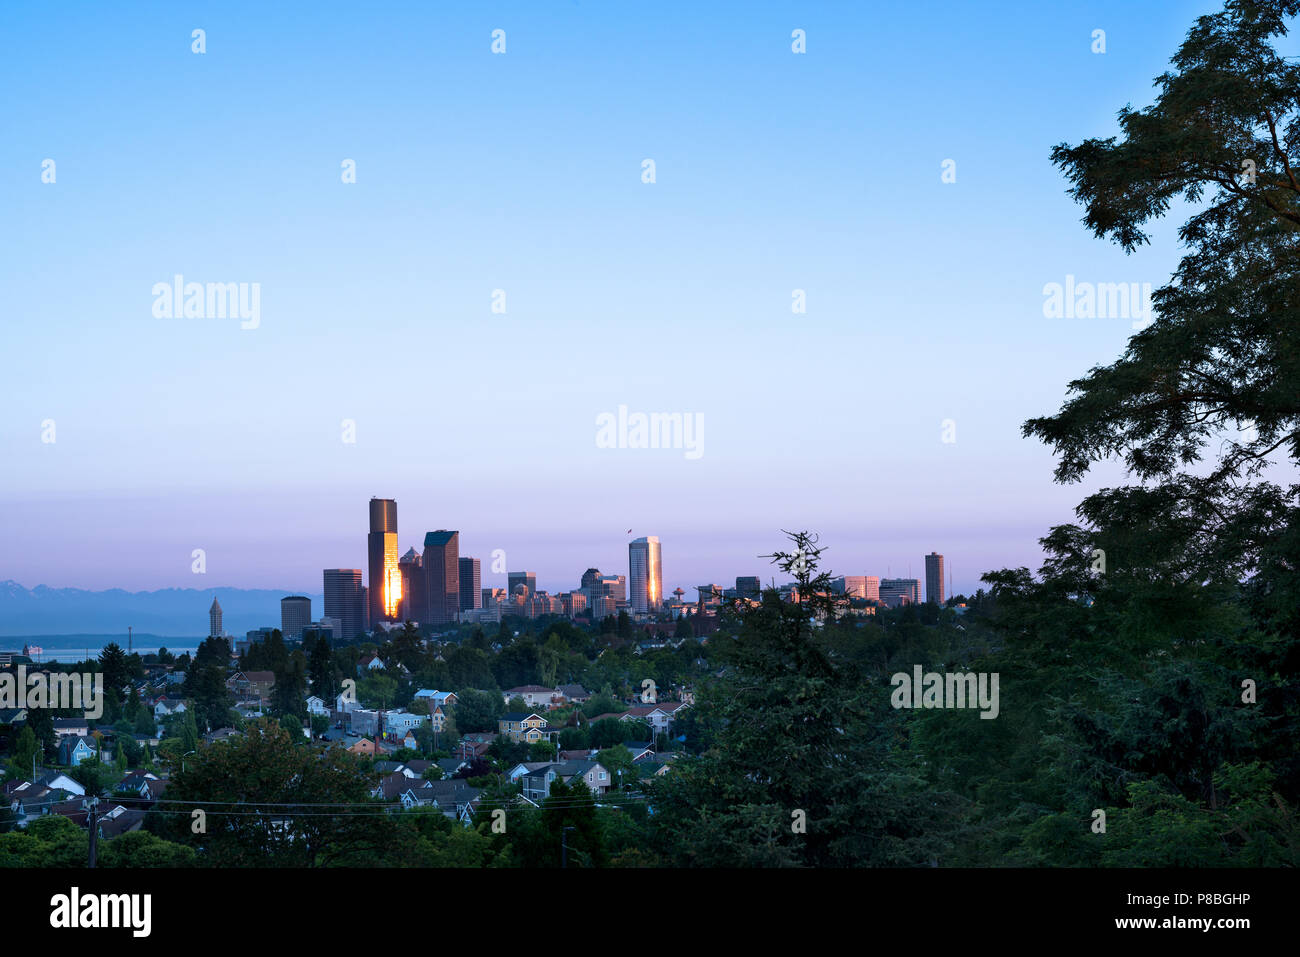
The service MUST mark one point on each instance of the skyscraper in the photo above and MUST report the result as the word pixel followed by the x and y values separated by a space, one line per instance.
pixel 345 600
pixel 896 592
pixel 471 583
pixel 934 578
pixel 295 615
pixel 214 619
pixel 441 562
pixel 414 606
pixel 645 575
pixel 748 586
pixel 872 586
pixel 514 579
pixel 385 582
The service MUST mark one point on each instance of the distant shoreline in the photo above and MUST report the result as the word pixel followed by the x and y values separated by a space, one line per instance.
pixel 74 647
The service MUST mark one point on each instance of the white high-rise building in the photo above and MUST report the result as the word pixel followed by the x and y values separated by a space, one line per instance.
pixel 645 576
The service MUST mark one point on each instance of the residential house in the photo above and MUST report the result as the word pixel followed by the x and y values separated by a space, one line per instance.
pixel 524 726
pixel 365 747
pixel 535 696
pixel 71 727
pixel 576 694
pixel 316 705
pixel 165 707
pixel 537 782
pixel 445 699
pixel 456 799
pixel 252 686
pixel 659 716
pixel 74 750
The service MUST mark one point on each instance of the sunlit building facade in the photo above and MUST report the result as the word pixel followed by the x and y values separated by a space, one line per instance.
pixel 385 583
pixel 645 575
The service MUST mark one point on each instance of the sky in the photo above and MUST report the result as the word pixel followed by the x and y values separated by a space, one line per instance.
pixel 885 417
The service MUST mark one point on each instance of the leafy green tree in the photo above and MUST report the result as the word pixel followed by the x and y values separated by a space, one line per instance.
pixel 142 849
pixel 94 775
pixel 377 691
pixel 802 768
pixel 478 710
pixel 276 786
pixel 541 751
pixel 113 663
pixel 27 753
pixel 618 762
pixel 321 670
pixel 50 841
pixel 205 684
pixel 40 721
pixel 145 723
pixel 289 693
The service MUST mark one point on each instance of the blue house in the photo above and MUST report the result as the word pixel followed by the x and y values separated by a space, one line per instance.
pixel 75 749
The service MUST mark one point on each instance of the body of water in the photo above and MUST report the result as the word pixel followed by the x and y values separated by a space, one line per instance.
pixel 76 647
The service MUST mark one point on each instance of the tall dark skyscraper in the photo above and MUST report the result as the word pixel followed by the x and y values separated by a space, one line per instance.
pixel 414 605
pixel 471 582
pixel 934 578
pixel 441 561
pixel 514 579
pixel 295 615
pixel 385 582
pixel 214 620
pixel 345 600
pixel 748 586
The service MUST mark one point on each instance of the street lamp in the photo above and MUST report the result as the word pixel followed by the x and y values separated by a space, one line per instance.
pixel 183 757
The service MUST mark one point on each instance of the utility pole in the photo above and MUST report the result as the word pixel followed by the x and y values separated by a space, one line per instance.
pixel 94 829
pixel 564 846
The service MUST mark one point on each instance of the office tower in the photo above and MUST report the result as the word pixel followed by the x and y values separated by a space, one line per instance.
pixel 853 586
pixel 934 578
pixel 471 584
pixel 748 586
pixel 385 582
pixel 492 595
pixel 414 607
pixel 590 577
pixel 896 592
pixel 645 575
pixel 441 561
pixel 214 620
pixel 514 579
pixel 295 615
pixel 345 600
pixel 575 602
pixel 871 584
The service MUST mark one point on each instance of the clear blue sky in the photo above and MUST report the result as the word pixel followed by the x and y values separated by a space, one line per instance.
pixel 522 172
